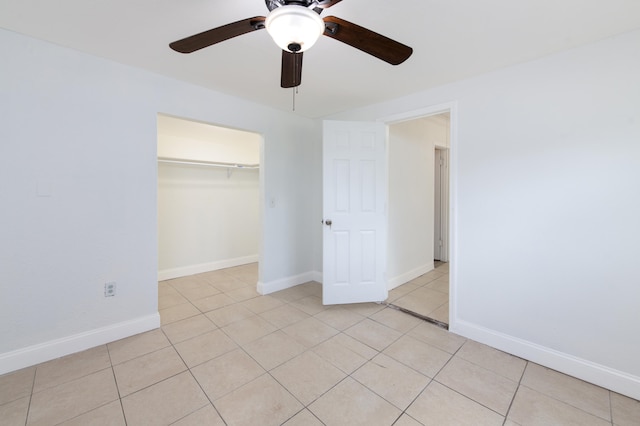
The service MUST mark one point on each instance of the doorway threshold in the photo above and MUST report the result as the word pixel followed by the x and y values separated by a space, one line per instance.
pixel 417 315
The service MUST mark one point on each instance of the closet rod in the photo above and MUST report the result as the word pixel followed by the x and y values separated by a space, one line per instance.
pixel 208 163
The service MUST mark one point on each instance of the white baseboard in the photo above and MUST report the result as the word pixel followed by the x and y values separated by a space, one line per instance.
pixel 32 355
pixel 183 271
pixel 601 375
pixel 408 276
pixel 288 282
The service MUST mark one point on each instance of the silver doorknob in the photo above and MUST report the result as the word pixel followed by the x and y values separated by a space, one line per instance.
pixel 328 222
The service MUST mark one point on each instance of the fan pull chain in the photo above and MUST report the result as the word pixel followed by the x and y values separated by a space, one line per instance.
pixel 295 92
pixel 295 88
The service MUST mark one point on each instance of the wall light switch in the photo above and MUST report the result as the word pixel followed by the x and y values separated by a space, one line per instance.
pixel 110 289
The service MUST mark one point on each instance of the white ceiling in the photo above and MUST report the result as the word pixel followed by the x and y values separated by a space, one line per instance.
pixel 452 40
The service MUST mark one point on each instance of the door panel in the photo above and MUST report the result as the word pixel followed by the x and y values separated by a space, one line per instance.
pixel 437 200
pixel 355 193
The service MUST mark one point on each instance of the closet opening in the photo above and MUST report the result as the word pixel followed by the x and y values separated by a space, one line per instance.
pixel 209 220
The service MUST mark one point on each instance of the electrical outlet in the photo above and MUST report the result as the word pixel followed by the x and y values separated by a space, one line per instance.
pixel 110 289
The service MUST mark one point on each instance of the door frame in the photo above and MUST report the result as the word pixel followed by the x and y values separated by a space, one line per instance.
pixel 441 202
pixel 452 109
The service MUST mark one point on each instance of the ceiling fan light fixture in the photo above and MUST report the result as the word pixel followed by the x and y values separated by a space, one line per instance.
pixel 294 28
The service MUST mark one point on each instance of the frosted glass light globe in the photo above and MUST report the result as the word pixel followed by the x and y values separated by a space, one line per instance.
pixel 294 28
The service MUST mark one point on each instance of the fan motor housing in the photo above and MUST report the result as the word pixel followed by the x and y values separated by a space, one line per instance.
pixel 273 4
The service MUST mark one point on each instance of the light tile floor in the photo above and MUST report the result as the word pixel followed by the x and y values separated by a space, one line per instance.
pixel 427 295
pixel 225 355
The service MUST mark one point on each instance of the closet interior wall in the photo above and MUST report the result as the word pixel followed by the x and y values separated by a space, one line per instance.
pixel 208 213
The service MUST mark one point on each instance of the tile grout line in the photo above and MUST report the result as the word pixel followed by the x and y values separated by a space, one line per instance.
pixel 513 398
pixel 471 399
pixel 95 408
pixel 611 408
pixel 115 380
pixel 459 393
pixel 402 411
pixel 412 401
pixel 567 403
pixel 339 381
pixel 197 382
pixel 433 379
pixel 33 386
pixel 239 346
pixel 306 406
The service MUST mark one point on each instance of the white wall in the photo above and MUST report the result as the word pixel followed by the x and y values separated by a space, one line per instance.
pixel 207 220
pixel 411 149
pixel 186 139
pixel 545 170
pixel 78 177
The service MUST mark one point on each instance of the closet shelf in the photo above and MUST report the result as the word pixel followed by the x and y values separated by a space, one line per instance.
pixel 208 163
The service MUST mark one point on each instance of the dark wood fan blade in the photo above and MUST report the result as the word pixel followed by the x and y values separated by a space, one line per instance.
pixel 291 69
pixel 325 4
pixel 216 35
pixel 366 40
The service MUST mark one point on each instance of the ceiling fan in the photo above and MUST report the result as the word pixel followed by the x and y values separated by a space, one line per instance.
pixel 295 25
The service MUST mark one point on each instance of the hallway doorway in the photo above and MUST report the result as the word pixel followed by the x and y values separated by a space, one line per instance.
pixel 419 216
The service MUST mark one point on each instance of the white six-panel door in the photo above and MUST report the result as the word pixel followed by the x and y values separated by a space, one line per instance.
pixel 354 217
